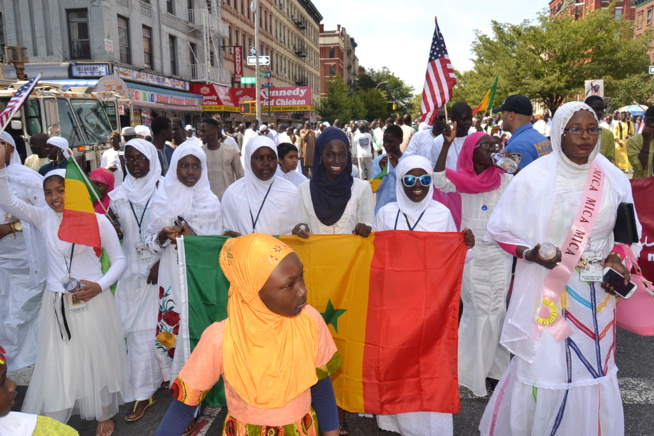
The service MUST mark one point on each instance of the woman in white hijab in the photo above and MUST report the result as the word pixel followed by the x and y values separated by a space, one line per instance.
pixel 22 264
pixel 260 202
pixel 560 325
pixel 415 210
pixel 136 294
pixel 184 205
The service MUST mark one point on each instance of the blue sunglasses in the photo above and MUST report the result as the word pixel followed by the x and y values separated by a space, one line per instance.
pixel 410 181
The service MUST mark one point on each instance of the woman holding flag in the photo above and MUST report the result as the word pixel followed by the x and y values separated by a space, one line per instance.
pixel 81 361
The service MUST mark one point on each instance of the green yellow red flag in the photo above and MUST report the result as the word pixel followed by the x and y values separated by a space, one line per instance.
pixel 79 224
pixel 487 101
pixel 376 181
pixel 391 302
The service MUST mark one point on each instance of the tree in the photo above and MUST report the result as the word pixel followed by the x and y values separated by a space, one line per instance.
pixel 414 106
pixel 384 80
pixel 549 59
pixel 340 103
pixel 375 103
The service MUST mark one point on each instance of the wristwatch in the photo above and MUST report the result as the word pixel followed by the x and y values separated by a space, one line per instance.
pixel 16 226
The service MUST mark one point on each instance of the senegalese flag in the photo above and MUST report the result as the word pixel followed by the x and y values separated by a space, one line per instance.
pixel 376 181
pixel 487 101
pixel 391 302
pixel 79 224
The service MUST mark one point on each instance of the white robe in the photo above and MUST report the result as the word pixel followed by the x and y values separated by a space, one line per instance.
pixel 359 209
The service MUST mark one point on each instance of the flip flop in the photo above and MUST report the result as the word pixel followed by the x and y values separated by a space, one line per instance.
pixel 133 416
pixel 100 431
pixel 189 429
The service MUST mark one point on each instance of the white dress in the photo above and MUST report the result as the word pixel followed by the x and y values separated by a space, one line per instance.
pixel 486 280
pixel 567 388
pixel 359 209
pixel 86 373
pixel 137 303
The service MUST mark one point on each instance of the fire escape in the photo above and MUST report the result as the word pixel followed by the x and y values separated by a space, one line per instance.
pixel 206 21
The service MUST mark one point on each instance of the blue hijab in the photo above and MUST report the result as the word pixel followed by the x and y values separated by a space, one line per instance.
pixel 330 197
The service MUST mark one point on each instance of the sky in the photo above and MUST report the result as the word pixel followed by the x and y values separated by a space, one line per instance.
pixel 398 34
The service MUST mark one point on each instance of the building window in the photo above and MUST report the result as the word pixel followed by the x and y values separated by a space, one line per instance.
pixel 2 37
pixel 172 48
pixel 332 70
pixel 78 29
pixel 211 58
pixel 332 52
pixel 147 47
pixel 123 39
pixel 170 6
pixel 236 39
pixel 618 13
pixel 194 60
pixel 209 8
pixel 649 16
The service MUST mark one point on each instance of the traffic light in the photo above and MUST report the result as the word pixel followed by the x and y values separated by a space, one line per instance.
pixel 394 106
pixel 246 108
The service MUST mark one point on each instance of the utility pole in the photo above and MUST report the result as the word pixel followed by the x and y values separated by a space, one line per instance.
pixel 255 10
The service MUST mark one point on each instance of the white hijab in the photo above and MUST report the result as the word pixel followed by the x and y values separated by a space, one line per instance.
pixel 523 217
pixel 197 205
pixel 139 191
pixel 281 210
pixel 410 208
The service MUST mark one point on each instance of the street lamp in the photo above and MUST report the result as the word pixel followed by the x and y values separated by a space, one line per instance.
pixel 381 83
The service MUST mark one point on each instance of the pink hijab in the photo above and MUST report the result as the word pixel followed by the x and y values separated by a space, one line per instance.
pixel 465 178
pixel 105 176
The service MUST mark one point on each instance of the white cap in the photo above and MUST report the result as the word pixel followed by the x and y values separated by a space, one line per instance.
pixel 188 127
pixel 263 128
pixel 142 131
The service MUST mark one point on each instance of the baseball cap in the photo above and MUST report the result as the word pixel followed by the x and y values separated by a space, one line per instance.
pixel 517 103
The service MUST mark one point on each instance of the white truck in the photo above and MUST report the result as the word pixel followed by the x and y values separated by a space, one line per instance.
pixel 86 120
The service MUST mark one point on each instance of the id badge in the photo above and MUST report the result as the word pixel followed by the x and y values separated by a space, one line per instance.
pixel 79 306
pixel 591 267
pixel 142 252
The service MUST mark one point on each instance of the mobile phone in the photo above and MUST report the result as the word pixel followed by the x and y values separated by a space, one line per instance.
pixel 615 279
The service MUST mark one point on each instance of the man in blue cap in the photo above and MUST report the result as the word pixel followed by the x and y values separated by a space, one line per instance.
pixel 516 118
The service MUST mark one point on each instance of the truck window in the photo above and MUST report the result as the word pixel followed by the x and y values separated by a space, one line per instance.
pixel 110 109
pixel 32 112
pixel 93 120
pixel 68 127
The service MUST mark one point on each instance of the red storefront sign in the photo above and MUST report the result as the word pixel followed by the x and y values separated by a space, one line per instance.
pixel 216 98
pixel 238 63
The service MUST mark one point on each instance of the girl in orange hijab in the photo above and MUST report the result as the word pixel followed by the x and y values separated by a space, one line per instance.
pixel 273 351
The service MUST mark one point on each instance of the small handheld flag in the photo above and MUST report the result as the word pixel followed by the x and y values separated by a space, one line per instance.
pixel 439 79
pixel 376 181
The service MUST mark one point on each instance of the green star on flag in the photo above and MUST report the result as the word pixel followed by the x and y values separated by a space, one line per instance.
pixel 330 315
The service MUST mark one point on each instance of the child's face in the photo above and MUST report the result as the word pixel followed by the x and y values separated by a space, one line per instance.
pixel 285 293
pixel 7 391
pixel 289 163
pixel 54 191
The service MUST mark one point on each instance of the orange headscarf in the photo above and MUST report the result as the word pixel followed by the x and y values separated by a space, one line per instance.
pixel 268 359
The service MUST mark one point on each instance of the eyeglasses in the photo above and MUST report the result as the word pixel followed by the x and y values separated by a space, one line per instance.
pixel 140 159
pixel 577 131
pixel 410 181
pixel 490 146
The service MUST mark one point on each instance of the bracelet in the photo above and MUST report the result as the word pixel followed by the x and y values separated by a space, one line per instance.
pixel 617 254
pixel 524 255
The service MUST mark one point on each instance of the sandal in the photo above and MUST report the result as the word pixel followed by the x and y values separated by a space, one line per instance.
pixel 343 428
pixel 102 431
pixel 165 385
pixel 134 416
pixel 189 428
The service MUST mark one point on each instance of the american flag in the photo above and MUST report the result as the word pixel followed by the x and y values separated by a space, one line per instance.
pixel 17 101
pixel 439 79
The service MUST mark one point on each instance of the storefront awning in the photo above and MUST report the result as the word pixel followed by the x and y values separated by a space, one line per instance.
pixel 163 99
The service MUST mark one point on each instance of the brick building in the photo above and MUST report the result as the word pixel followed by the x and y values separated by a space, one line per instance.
pixel 578 8
pixel 337 56
pixel 644 11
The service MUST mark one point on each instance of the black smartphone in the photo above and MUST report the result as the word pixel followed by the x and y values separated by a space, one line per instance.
pixel 615 279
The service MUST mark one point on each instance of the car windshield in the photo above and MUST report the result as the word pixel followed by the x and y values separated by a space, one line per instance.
pixel 93 118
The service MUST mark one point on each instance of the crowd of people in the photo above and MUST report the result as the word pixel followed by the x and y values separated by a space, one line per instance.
pixel 94 351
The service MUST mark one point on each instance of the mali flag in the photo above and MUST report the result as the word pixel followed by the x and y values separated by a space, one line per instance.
pixel 376 181
pixel 79 224
pixel 487 101
pixel 391 302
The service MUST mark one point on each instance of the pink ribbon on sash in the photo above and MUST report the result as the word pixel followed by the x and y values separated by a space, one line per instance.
pixel 575 243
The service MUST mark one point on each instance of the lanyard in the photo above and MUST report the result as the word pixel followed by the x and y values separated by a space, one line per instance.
pixel 140 222
pixel 69 264
pixel 255 221
pixel 397 217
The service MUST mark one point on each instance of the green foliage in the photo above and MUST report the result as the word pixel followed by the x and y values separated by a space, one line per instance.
pixel 414 106
pixel 384 80
pixel 637 88
pixel 550 58
pixel 340 103
pixel 375 103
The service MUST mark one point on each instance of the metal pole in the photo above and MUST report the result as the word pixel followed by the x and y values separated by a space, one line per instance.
pixel 255 5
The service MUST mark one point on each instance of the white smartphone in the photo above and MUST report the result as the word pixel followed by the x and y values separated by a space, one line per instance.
pixel 615 279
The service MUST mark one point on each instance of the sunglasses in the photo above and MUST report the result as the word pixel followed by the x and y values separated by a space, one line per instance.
pixel 410 181
pixel 490 146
